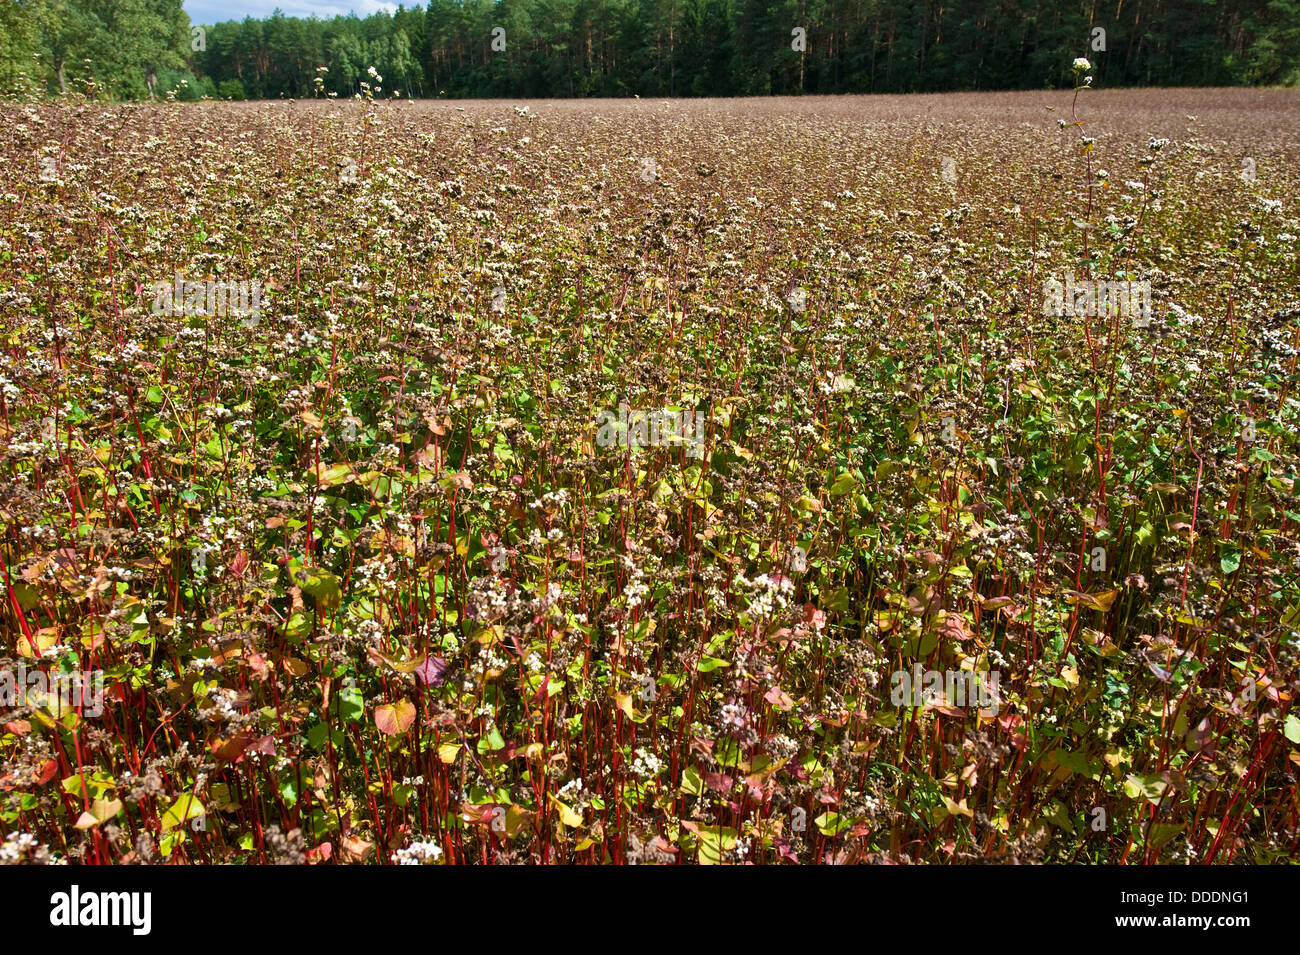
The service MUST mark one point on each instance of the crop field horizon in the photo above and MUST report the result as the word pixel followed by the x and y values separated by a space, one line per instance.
pixel 897 479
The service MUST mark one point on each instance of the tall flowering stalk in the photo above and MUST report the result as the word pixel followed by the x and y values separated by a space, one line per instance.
pixel 1081 83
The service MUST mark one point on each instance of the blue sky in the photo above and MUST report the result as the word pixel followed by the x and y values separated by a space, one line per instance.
pixel 215 11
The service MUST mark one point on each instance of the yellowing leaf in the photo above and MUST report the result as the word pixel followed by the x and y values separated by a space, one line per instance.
pixel 333 476
pixel 624 703
pixel 101 810
pixel 713 841
pixel 957 808
pixel 1100 601
pixel 568 815
pixel 185 808
pixel 691 782
pixel 297 667
pixel 323 587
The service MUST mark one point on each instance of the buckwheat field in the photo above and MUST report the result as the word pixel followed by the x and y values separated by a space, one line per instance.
pixel 785 481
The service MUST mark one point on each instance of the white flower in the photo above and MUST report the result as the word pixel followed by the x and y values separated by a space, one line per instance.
pixel 1081 64
pixel 733 715
pixel 418 853
pixel 646 765
pixel 771 593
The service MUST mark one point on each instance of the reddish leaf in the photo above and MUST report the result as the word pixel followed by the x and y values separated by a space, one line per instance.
pixel 813 617
pixel 719 782
pixel 354 849
pixel 238 564
pixel 779 698
pixel 432 672
pixel 231 749
pixel 542 690
pixel 954 628
pixel 1160 673
pixel 393 719
pixel 320 854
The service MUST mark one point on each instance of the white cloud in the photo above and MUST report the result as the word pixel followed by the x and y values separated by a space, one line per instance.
pixel 217 11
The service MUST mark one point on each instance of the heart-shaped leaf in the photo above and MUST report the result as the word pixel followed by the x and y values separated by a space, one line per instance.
pixel 395 719
pixel 432 672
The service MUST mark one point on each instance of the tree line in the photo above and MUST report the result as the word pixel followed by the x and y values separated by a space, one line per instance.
pixel 141 49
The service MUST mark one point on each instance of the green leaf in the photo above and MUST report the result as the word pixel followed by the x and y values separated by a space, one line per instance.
pixel 324 587
pixel 1162 832
pixel 844 484
pixel 1292 728
pixel 336 475
pixel 185 808
pixel 1077 763
pixel 832 823
pixel 1152 786
pixel 691 782
pixel 100 784
pixel 351 705
pixel 714 841
pixel 27 595
pixel 492 742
